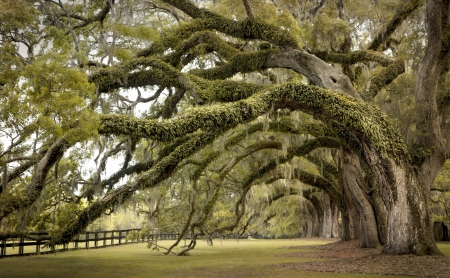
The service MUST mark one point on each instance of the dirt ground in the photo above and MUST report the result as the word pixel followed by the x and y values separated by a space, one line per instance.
pixel 346 257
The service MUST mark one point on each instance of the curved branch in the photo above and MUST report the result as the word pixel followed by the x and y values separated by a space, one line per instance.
pixel 363 120
pixel 38 181
pixel 383 78
pixel 403 11
pixel 242 29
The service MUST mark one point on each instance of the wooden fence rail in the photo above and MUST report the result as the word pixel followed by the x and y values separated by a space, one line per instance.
pixel 33 243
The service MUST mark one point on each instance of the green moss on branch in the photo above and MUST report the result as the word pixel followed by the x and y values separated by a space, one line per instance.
pixel 242 63
pixel 384 77
pixel 363 120
pixel 206 20
pixel 355 57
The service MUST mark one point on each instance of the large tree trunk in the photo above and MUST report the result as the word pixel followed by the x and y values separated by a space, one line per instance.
pixel 309 226
pixel 334 221
pixel 317 204
pixel 327 216
pixel 350 217
pixel 314 221
pixel 405 199
pixel 380 215
pixel 352 173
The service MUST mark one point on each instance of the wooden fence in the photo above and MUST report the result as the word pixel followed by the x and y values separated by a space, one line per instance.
pixel 34 243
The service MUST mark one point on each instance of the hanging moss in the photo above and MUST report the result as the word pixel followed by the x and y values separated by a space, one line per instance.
pixel 159 172
pixel 330 170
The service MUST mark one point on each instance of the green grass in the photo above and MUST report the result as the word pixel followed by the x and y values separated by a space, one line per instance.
pixel 246 258
pixel 444 247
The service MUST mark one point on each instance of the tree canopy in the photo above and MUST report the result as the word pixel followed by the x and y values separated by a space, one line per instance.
pixel 269 118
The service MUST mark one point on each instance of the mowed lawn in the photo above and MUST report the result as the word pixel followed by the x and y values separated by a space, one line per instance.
pixel 246 258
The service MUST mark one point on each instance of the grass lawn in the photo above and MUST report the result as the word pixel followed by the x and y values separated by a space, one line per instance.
pixel 246 258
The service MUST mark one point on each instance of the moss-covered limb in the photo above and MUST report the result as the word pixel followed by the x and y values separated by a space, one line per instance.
pixel 224 90
pixel 22 168
pixel 170 105
pixel 382 78
pixel 360 120
pixel 33 190
pixel 404 9
pixel 159 172
pixel 208 90
pixel 364 120
pixel 241 29
pixel 213 41
pixel 318 72
pixel 142 166
pixel 330 171
pixel 142 78
pixel 240 63
pixel 164 73
pixel 355 57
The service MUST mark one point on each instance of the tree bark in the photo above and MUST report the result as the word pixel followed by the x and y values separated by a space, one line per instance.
pixel 408 218
pixel 327 216
pixel 334 221
pixel 318 230
pixel 352 173
pixel 38 180
pixel 350 218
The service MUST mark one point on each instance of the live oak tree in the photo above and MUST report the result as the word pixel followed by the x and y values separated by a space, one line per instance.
pixel 229 99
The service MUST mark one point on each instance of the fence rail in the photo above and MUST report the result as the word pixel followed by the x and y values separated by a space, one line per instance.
pixel 22 246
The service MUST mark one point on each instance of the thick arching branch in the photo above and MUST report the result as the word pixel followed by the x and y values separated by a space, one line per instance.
pixel 241 29
pixel 363 120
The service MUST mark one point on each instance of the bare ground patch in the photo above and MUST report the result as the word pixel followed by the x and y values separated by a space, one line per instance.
pixel 347 257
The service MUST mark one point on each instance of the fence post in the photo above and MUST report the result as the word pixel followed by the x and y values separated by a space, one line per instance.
pixel 87 240
pixel 3 248
pixel 76 241
pixel 21 246
pixel 38 246
pixel 120 237
pixel 104 239
pixel 96 239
